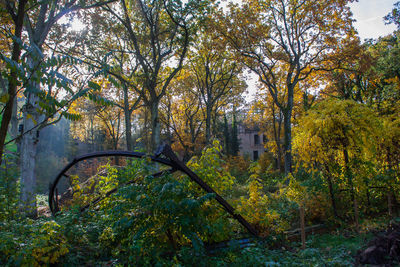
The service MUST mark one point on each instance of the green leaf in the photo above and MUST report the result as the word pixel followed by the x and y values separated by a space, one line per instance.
pixel 94 86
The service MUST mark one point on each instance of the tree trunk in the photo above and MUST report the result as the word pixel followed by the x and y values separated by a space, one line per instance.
pixel 14 119
pixel 208 124
pixel 128 125
pixel 29 141
pixel 12 81
pixel 277 137
pixel 28 156
pixel 5 122
pixel 155 127
pixel 331 192
pixel 350 181
pixel 287 143
pixel 168 125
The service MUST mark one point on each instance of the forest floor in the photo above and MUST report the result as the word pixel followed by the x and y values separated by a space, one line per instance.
pixel 340 247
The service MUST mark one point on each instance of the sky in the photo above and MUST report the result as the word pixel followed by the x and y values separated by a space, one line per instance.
pixel 369 17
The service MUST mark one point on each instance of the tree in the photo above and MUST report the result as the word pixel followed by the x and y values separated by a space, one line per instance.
pixel 103 46
pixel 216 74
pixel 285 40
pixel 370 75
pixel 90 128
pixel 265 114
pixel 41 105
pixel 394 16
pixel 17 15
pixel 235 142
pixel 159 34
pixel 334 137
pixel 183 115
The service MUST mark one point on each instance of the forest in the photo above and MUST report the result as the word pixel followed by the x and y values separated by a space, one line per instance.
pixel 169 82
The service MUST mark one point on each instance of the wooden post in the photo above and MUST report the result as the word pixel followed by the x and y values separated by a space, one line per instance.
pixel 302 227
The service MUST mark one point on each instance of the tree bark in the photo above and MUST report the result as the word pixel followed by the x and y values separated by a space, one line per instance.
pixel 331 192
pixel 128 125
pixel 277 137
pixel 350 181
pixel 208 124
pixel 155 126
pixel 14 119
pixel 28 156
pixel 287 143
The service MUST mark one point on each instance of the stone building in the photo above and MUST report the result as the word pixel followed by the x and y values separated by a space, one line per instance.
pixel 251 142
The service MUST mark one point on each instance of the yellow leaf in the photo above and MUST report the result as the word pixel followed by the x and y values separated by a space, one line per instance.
pixel 4 98
pixel 29 116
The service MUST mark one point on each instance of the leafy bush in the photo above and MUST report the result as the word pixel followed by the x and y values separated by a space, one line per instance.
pixel 148 218
pixel 258 207
pixel 31 243
pixel 211 168
pixel 9 188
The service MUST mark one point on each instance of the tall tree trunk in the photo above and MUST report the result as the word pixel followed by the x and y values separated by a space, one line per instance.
pixel 12 81
pixel 30 138
pixel 351 185
pixel 155 126
pixel 128 125
pixel 287 143
pixel 287 124
pixel 235 138
pixel 28 156
pixel 168 126
pixel 128 131
pixel 208 124
pixel 116 137
pixel 227 139
pixel 331 192
pixel 277 137
pixel 14 119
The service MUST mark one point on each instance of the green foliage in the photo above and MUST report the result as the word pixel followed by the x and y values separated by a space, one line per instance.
pixel 339 140
pixel 260 208
pixel 9 188
pixel 31 243
pixel 210 167
pixel 333 126
pixel 148 217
